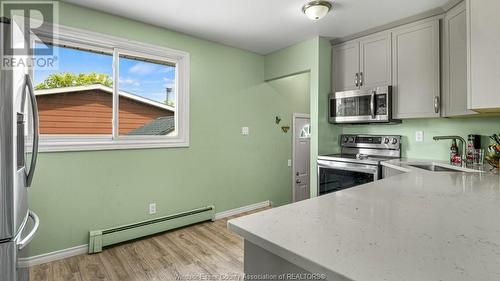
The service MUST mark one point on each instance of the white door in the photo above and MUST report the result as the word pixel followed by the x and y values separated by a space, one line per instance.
pixel 346 66
pixel 375 60
pixel 301 152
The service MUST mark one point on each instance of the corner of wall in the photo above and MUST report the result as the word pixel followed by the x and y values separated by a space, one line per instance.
pixel 328 133
pixel 310 55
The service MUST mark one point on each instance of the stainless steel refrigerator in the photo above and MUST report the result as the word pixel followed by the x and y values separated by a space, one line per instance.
pixel 18 156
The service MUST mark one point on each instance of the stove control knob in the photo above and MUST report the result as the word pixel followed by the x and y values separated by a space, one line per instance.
pixel 386 140
pixel 394 140
pixel 351 139
pixel 344 139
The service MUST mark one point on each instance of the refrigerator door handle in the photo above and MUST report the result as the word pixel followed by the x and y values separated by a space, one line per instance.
pixel 24 242
pixel 36 137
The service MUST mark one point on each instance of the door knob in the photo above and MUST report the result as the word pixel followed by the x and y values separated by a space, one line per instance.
pixel 297 181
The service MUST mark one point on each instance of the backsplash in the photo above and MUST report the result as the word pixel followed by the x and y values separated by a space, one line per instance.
pixel 430 149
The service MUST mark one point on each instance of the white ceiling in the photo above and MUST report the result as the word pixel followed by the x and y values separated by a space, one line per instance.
pixel 261 26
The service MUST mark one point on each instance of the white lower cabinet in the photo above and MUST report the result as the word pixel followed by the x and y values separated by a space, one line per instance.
pixel 416 70
pixel 389 172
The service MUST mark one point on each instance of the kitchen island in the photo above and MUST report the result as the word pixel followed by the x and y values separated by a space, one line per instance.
pixel 415 226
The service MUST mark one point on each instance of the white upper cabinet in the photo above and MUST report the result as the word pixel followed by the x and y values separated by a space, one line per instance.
pixel 455 63
pixel 362 63
pixel 345 66
pixel 375 60
pixel 483 21
pixel 416 70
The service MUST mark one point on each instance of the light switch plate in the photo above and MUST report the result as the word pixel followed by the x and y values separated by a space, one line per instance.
pixel 419 136
pixel 289 162
pixel 152 208
pixel 245 131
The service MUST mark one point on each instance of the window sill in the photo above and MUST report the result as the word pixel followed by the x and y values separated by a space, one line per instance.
pixel 59 146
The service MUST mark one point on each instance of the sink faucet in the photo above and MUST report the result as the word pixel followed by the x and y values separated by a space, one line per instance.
pixel 463 145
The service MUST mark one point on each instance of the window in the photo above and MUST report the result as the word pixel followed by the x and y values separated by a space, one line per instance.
pixel 109 93
pixel 147 97
pixel 305 132
pixel 76 98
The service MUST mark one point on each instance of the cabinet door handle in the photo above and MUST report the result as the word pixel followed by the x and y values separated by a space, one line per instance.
pixel 436 104
pixel 356 79
pixel 361 79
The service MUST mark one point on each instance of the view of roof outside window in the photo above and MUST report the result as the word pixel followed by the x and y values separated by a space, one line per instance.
pixel 77 97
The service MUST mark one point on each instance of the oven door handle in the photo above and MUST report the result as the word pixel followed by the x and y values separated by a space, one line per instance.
pixel 369 169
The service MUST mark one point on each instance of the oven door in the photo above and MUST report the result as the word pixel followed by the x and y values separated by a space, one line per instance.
pixel 334 176
pixel 361 106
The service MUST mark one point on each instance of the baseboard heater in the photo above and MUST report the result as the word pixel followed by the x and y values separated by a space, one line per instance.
pixel 110 236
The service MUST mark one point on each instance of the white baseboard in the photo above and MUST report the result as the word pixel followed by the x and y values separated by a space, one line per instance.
pixel 53 256
pixel 83 249
pixel 243 209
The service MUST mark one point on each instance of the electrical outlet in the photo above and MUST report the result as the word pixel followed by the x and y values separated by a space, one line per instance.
pixel 289 162
pixel 419 136
pixel 245 131
pixel 152 208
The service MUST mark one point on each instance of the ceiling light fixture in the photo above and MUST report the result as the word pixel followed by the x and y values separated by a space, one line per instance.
pixel 315 10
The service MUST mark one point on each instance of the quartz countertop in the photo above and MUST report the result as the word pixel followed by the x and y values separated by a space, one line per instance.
pixel 415 226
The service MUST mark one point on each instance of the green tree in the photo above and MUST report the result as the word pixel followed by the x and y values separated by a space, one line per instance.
pixel 61 80
pixel 169 103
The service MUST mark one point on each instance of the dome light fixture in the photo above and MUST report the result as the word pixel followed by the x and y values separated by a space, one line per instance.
pixel 315 10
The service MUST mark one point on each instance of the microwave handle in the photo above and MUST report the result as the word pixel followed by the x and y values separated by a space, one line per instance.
pixel 372 104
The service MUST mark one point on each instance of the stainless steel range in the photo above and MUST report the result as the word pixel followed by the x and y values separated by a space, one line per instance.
pixel 358 163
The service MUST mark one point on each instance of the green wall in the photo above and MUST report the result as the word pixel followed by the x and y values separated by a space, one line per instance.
pixel 294 91
pixel 430 149
pixel 328 134
pixel 74 192
pixel 312 56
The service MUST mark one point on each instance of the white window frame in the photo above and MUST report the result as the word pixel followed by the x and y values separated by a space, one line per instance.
pixel 116 46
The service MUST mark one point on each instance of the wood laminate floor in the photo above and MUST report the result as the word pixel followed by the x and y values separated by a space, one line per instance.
pixel 205 251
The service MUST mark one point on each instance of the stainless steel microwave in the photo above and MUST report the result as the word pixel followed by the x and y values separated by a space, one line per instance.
pixel 372 105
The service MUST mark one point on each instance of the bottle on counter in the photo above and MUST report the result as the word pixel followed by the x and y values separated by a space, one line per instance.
pixel 473 149
pixel 470 150
pixel 455 158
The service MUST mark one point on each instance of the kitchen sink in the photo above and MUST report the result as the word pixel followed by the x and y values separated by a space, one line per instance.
pixel 435 168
